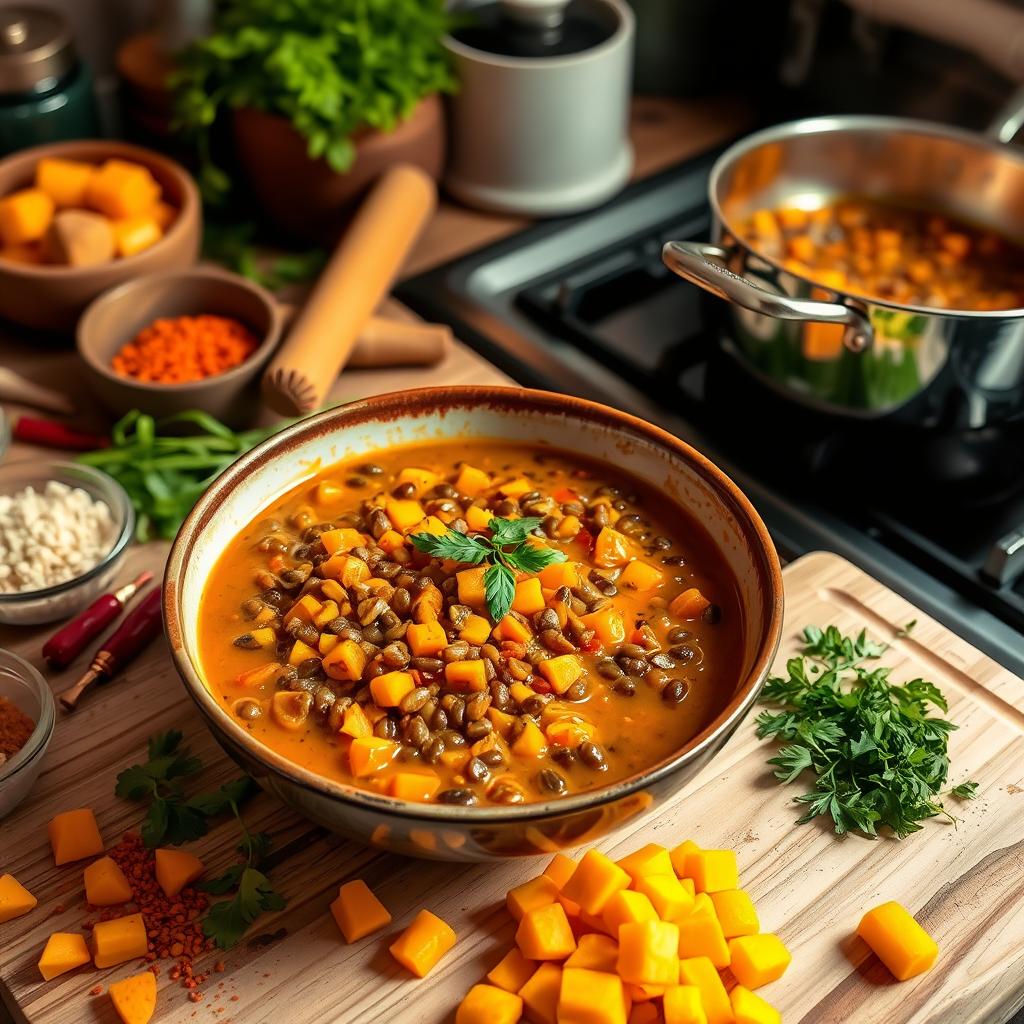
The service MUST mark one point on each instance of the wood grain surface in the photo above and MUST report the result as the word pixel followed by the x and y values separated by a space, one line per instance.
pixel 965 883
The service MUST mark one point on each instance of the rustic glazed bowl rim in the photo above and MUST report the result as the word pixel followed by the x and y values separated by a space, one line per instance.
pixel 189 202
pixel 119 292
pixel 425 401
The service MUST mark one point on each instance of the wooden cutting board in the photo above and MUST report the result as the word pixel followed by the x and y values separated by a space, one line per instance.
pixel 965 884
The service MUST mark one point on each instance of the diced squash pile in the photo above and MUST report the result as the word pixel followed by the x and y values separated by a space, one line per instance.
pixel 423 943
pixel 358 912
pixel 74 835
pixel 134 998
pixel 64 951
pixel 106 884
pixel 649 939
pixel 118 940
pixel 175 869
pixel 898 940
pixel 81 214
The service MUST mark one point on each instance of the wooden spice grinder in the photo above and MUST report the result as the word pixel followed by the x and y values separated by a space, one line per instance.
pixel 357 277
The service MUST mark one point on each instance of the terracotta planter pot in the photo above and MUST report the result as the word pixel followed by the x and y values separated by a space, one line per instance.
pixel 304 197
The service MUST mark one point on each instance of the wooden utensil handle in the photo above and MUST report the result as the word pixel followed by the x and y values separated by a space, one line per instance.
pixel 385 342
pixel 352 284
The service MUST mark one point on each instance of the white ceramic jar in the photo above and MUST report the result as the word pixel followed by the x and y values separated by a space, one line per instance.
pixel 545 133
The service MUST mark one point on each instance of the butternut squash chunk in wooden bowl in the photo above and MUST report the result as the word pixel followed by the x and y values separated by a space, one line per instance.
pixel 469 623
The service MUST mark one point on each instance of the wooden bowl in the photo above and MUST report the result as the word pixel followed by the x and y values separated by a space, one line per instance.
pixel 51 298
pixel 118 315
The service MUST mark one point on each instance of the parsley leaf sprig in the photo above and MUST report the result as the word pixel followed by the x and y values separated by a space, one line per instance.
pixel 505 551
pixel 878 757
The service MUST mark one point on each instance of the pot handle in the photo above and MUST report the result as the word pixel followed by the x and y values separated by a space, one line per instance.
pixel 701 264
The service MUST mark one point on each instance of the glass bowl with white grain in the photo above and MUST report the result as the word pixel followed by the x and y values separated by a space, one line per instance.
pixel 63 599
pixel 27 690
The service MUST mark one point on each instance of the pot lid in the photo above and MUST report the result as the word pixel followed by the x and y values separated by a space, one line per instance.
pixel 36 48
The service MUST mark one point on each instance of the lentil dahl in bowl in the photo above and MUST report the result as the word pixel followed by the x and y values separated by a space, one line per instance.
pixel 332 610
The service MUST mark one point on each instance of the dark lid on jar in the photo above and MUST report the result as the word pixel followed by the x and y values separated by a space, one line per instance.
pixel 36 48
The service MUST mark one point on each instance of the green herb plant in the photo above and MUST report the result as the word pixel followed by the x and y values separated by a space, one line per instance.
pixel 877 756
pixel 504 552
pixel 331 67
pixel 233 244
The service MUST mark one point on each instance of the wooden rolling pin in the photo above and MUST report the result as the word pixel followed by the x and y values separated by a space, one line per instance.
pixel 384 342
pixel 356 278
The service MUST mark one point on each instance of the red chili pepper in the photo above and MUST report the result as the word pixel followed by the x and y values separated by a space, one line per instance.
pixel 587 539
pixel 51 434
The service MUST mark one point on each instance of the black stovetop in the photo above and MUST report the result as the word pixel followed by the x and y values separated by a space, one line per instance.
pixel 584 306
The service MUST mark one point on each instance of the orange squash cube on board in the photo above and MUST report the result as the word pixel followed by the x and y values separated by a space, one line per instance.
pixel 668 896
pixel 134 998
pixel 701 935
pixel 560 869
pixel 175 869
pixel 591 997
pixel 678 855
pixel 15 899
pixel 898 940
pixel 626 906
pixel 758 959
pixel 512 971
pixel 735 912
pixel 64 951
pixel 544 933
pixel 123 938
pixel 682 1005
pixel 594 882
pixel 423 943
pixel 702 973
pixel 713 870
pixel 540 994
pixel 595 952
pixel 74 835
pixel 358 912
pixel 651 859
pixel 648 953
pixel 485 1004
pixel 750 1008
pixel 537 892
pixel 106 884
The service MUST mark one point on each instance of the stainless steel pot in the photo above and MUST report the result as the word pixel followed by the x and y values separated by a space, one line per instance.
pixel 936 367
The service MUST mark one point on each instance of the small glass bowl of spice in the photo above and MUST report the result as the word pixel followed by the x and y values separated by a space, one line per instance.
pixel 26 725
pixel 64 529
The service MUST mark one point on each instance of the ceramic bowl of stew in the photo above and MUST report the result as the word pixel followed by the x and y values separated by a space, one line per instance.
pixel 364 678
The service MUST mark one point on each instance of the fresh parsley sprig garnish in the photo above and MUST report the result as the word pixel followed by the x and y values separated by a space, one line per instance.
pixel 505 551
pixel 878 757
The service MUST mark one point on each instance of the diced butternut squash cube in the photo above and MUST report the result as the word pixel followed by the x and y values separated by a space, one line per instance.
pixel 758 959
pixel 358 912
pixel 626 906
pixel 512 971
pixel 690 604
pixel 475 630
pixel 486 1004
pixel 514 488
pixel 404 514
pixel 520 692
pixel 25 216
pixel 392 542
pixel 510 628
pixel 327 643
pixel 648 952
pixel 328 492
pixel 329 611
pixel 544 933
pixel 354 722
pixel 529 597
pixel 135 234
pixel 64 181
pixel 640 576
pixel 561 672
pixel 306 609
pixel 106 884
pixel 568 732
pixel 591 997
pixel 342 539
pixel 134 998
pixel 750 1008
pixel 469 675
pixel 346 569
pixel 594 882
pixel 713 870
pixel 611 548
pixel 74 835
pixel 667 895
pixel 63 952
pixel 894 936
pixel 701 935
pixel 530 742
pixel 595 952
pixel 425 639
pixel 702 904
pixel 501 720
pixel 681 1005
pixel 471 586
pixel 478 519
pixel 421 479
pixel 735 912
pixel 346 661
pixel 560 869
pixel 121 189
pixel 651 859
pixel 175 869
pixel 608 624
pixel 301 652
pixel 423 943
pixel 334 591
pixel 569 527
pixel 592 922
pixel 370 754
pixel 702 973
pixel 679 855
pixel 431 524
pixel 560 574
pixel 388 689
pixel 123 938
pixel 15 899
pixel 419 786
pixel 540 994
pixel 471 481
pixel 537 892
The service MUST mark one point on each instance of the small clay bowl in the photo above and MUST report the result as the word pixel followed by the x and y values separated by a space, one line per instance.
pixel 51 298
pixel 117 316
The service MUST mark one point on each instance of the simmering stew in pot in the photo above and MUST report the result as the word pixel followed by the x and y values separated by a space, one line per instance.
pixel 338 643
